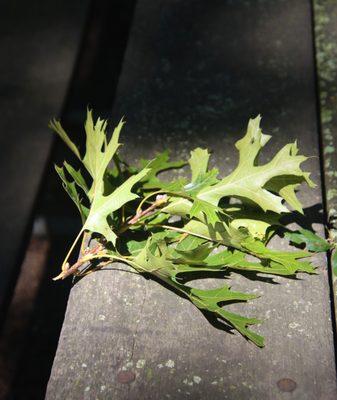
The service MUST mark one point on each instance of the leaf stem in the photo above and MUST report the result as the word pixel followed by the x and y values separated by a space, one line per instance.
pixel 72 248
pixel 83 244
pixel 140 214
pixel 174 228
pixel 139 208
pixel 168 192
pixel 133 264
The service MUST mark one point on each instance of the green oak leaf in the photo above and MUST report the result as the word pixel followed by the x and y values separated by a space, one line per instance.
pixel 208 227
pixel 103 206
pixel 70 188
pixel 98 155
pixel 152 258
pixel 202 181
pixel 198 162
pixel 312 241
pixel 77 176
pixel 236 260
pixel 286 187
pixel 189 242
pixel 249 179
pixel 210 211
pixel 159 164
pixel 211 300
pixel 288 259
pixel 193 256
pixel 99 151
pixel 57 128
pixel 334 264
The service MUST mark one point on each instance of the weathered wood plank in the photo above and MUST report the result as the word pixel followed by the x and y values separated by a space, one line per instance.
pixel 38 42
pixel 194 72
pixel 325 17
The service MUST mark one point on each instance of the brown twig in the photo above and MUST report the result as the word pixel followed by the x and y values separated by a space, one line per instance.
pixel 160 200
pixel 72 270
pixel 67 271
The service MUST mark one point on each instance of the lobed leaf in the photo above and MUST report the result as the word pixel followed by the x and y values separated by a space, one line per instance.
pixel 249 180
pixel 103 206
pixel 159 164
pixel 195 230
pixel 70 188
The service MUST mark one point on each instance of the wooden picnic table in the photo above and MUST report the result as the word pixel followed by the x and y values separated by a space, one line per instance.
pixel 194 72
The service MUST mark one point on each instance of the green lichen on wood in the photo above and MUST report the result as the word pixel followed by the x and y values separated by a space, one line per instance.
pixel 325 19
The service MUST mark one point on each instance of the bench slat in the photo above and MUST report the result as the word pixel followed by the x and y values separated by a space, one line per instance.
pixel 194 72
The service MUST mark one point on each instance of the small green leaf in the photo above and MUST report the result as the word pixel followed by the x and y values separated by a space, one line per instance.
pixel 286 186
pixel 178 206
pixel 135 247
pixel 103 206
pixel 189 243
pixel 236 260
pixel 194 256
pixel 312 241
pixel 209 300
pixel 202 181
pixel 99 151
pixel 288 259
pixel 198 162
pixel 220 233
pixel 248 180
pixel 77 176
pixel 152 258
pixel 70 188
pixel 157 165
pixel 209 210
pixel 334 264
pixel 57 127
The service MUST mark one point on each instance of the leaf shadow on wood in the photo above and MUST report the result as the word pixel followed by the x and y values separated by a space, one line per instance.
pixel 213 320
pixel 219 323
pixel 312 215
pixel 226 274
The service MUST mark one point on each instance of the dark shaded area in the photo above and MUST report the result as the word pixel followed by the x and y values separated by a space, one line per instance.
pixel 38 44
pixel 94 81
pixel 311 215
